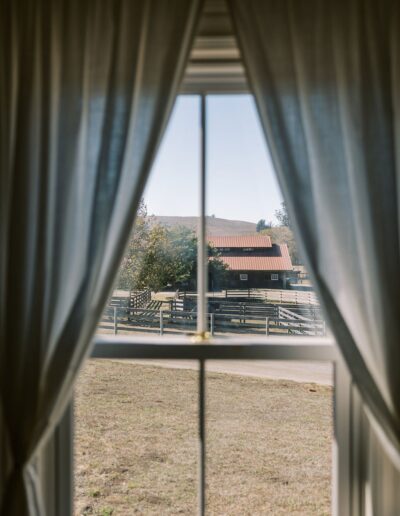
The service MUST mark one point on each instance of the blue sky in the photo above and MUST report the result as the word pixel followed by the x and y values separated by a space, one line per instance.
pixel 241 180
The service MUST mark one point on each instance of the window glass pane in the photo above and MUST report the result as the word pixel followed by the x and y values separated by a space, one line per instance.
pixel 156 284
pixel 135 439
pixel 269 437
pixel 258 283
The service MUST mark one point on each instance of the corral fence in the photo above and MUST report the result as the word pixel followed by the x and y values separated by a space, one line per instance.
pixel 121 306
pixel 119 302
pixel 181 302
pixel 133 299
pixel 276 295
pixel 230 311
pixel 250 308
pixel 296 297
pixel 139 299
pixel 285 322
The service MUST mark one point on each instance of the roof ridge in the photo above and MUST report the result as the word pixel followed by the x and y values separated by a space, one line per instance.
pixel 240 240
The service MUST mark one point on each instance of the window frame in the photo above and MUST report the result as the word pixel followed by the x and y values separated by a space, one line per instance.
pixel 60 466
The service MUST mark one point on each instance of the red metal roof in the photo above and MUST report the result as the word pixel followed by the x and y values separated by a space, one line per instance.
pixel 260 263
pixel 240 241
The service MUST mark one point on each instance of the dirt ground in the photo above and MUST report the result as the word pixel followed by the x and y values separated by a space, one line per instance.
pixel 268 443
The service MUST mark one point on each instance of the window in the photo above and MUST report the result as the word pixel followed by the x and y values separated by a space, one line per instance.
pixel 248 249
pixel 271 345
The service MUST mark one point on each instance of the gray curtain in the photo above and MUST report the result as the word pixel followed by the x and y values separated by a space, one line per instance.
pixel 326 78
pixel 86 87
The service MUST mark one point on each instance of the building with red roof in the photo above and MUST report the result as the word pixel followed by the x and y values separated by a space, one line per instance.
pixel 253 261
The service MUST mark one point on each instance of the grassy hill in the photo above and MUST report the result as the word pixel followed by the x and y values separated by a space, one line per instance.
pixel 215 226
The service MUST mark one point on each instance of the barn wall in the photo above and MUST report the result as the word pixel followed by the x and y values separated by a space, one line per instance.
pixel 256 279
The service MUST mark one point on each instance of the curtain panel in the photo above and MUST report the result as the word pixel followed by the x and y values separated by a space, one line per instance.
pixel 85 92
pixel 326 79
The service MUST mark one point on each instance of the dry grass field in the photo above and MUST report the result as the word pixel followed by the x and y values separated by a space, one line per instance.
pixel 269 443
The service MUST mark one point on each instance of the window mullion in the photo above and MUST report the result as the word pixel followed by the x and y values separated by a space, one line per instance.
pixel 202 305
pixel 202 438
pixel 202 258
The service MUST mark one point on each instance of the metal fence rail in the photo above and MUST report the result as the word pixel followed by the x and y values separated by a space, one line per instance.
pixel 270 295
pixel 284 321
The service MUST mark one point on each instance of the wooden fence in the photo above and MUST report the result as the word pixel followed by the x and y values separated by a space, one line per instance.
pixel 119 301
pixel 265 309
pixel 139 299
pixel 285 323
pixel 296 297
pixel 276 295
pixel 290 312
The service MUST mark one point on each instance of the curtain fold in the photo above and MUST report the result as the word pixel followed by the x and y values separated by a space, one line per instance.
pixel 85 92
pixel 325 75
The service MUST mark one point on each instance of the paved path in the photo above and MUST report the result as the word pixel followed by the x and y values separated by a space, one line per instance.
pixel 309 372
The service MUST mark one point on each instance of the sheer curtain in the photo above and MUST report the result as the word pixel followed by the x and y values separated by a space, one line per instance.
pixel 326 78
pixel 85 92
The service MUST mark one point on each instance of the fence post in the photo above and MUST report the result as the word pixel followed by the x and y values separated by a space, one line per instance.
pixel 244 313
pixel 226 294
pixel 267 326
pixel 115 320
pixel 212 322
pixel 161 323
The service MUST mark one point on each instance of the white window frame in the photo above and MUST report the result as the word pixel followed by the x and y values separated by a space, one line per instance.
pixel 56 462
pixel 274 276
pixel 243 277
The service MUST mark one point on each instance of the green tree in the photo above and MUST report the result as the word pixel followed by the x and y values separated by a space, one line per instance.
pixel 284 235
pixel 184 251
pixel 282 216
pixel 158 258
pixel 217 269
pixel 129 270
pixel 261 225
pixel 156 269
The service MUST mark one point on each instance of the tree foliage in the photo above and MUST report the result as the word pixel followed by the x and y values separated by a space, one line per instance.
pixel 284 235
pixel 128 274
pixel 282 216
pixel 261 225
pixel 160 258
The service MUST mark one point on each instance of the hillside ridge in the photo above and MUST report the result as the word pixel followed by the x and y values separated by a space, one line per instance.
pixel 215 226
